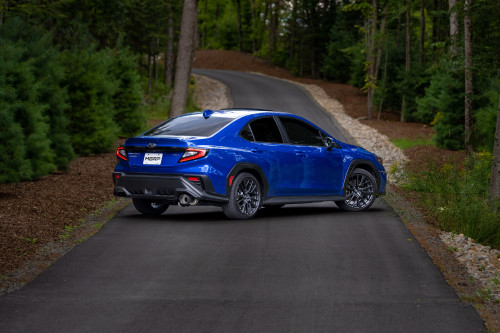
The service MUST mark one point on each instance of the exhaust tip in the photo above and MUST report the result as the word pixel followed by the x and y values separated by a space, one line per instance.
pixel 187 200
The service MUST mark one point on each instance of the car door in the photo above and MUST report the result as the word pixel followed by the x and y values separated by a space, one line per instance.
pixel 267 149
pixel 319 169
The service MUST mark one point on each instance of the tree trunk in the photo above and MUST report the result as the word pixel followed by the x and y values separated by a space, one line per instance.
pixel 468 77
pixel 273 28
pixel 252 11
pixel 495 167
pixel 261 38
pixel 169 51
pixel 384 79
pixel 453 27
pixel 150 74
pixel 371 58
pixel 422 33
pixel 240 32
pixel 407 57
pixel 184 58
pixel 204 28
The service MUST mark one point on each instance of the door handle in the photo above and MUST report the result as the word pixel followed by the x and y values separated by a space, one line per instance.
pixel 256 150
pixel 301 154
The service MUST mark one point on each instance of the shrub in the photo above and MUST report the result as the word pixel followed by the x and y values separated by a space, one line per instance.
pixel 91 90
pixel 443 107
pixel 128 96
pixel 24 60
pixel 458 197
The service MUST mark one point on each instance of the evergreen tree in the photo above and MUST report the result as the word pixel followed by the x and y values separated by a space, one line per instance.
pixel 443 107
pixel 128 96
pixel 23 101
pixel 91 92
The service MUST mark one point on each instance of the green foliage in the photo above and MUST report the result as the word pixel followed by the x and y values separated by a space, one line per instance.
pixel 458 197
pixel 357 68
pixel 27 73
pixel 486 120
pixel 337 61
pixel 91 89
pixel 128 96
pixel 443 107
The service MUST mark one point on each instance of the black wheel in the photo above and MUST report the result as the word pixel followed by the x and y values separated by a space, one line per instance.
pixel 360 191
pixel 149 207
pixel 244 198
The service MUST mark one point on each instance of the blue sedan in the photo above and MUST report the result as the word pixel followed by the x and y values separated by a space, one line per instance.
pixel 243 160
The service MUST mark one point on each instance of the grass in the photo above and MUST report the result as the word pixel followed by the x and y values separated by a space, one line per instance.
pixel 406 143
pixel 457 197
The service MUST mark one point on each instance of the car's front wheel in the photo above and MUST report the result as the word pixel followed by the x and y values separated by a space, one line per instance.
pixel 359 191
pixel 244 198
pixel 149 207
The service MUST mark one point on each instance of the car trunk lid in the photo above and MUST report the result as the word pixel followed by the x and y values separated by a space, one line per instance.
pixel 155 152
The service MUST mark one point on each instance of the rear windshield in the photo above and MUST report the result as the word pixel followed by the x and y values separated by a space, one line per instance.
pixel 191 125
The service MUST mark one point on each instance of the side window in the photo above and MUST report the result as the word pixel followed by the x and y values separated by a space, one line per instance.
pixel 266 130
pixel 301 133
pixel 246 133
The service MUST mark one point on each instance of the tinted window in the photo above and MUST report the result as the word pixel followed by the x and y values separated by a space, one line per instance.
pixel 266 130
pixel 191 125
pixel 246 133
pixel 301 133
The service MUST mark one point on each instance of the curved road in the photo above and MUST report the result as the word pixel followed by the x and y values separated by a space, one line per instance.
pixel 304 268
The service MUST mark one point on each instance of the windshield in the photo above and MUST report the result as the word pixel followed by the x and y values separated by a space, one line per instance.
pixel 191 125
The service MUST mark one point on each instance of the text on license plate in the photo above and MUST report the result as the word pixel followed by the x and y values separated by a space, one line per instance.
pixel 152 158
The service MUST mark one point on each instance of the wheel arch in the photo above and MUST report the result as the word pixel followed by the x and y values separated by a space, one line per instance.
pixel 254 170
pixel 365 165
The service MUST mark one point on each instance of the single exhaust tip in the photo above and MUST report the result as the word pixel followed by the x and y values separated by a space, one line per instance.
pixel 187 200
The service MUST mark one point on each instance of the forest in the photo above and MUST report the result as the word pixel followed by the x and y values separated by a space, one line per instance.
pixel 77 74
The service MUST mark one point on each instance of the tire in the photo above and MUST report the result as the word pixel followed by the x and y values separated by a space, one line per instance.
pixel 149 207
pixel 359 191
pixel 245 198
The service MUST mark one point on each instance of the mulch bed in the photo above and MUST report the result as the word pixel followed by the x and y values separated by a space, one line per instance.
pixel 35 213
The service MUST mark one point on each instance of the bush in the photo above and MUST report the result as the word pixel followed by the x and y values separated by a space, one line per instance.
pixel 26 53
pixel 91 89
pixel 128 96
pixel 337 62
pixel 457 197
pixel 443 107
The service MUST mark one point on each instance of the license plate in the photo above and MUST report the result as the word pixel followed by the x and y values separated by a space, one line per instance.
pixel 152 158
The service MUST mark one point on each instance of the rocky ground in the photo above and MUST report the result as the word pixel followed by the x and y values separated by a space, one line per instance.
pixel 41 220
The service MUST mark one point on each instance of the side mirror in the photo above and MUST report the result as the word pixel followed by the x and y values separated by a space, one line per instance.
pixel 329 144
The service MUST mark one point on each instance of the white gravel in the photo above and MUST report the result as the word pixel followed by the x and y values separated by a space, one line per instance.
pixel 481 262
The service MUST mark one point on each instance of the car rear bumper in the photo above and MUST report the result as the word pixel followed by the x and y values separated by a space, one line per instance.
pixel 166 188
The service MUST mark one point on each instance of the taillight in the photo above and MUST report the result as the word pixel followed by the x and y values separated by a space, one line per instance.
pixel 122 153
pixel 193 154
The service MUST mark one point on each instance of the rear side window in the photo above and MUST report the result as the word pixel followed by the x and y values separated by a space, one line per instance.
pixel 301 133
pixel 190 125
pixel 266 130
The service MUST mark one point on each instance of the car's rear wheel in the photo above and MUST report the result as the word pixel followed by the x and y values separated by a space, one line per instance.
pixel 359 191
pixel 244 198
pixel 149 207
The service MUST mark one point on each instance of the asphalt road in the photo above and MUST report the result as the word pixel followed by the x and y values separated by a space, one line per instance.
pixel 302 268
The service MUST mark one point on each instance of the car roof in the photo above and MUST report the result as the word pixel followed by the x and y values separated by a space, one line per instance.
pixel 242 112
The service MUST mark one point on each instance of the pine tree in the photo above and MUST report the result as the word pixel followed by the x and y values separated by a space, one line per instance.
pixel 128 96
pixel 91 91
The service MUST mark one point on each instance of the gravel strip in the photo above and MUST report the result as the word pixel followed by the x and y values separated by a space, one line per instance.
pixel 482 262
pixel 211 94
